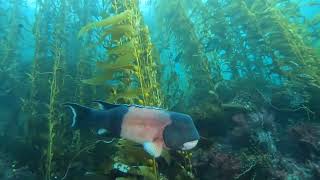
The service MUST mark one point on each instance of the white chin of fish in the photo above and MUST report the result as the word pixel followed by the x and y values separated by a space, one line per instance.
pixel 189 145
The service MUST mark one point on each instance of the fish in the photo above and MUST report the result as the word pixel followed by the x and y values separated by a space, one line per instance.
pixel 154 128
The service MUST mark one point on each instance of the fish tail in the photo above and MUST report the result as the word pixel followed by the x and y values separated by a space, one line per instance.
pixel 81 115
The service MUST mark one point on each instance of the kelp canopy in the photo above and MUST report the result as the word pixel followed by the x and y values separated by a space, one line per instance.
pixel 248 72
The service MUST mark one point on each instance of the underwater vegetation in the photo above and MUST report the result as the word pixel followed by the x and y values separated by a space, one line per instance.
pixel 248 72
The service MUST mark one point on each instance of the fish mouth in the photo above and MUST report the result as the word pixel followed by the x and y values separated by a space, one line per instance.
pixel 189 145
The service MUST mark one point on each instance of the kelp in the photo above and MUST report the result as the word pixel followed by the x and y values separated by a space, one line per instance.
pixel 99 79
pixel 105 22
pixel 125 54
pixel 10 44
pixel 248 45
pixel 254 32
pixel 54 119
pixel 125 48
pixel 108 71
pixel 130 95
pixel 129 61
pixel 213 53
pixel 117 32
pixel 46 80
pixel 121 55
pixel 173 17
pixel 118 65
pixel 140 157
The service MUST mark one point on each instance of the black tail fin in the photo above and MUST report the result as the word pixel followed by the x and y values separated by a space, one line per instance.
pixel 81 115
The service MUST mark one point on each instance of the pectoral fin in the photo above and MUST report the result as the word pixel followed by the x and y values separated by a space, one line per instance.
pixel 154 149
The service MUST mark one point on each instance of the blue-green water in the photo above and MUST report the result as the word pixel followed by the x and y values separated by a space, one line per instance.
pixel 247 72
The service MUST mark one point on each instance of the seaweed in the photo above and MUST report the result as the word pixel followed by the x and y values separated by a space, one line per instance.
pixel 47 80
pixel 54 119
pixel 105 22
pixel 10 47
pixel 84 67
pixel 250 46
pixel 129 60
pixel 31 104
pixel 246 71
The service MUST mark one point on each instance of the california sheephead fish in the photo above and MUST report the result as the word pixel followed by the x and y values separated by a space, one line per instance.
pixel 154 128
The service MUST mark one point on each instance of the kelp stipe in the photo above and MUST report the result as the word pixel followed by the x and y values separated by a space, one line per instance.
pixel 56 83
pixel 32 102
pixel 173 16
pixel 46 80
pixel 10 45
pixel 131 63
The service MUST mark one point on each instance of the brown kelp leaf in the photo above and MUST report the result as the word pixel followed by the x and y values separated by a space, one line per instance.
pixel 125 59
pixel 118 31
pixel 114 66
pixel 105 22
pixel 129 94
pixel 127 47
pixel 100 79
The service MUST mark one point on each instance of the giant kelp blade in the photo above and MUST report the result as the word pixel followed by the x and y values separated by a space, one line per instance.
pixel 117 32
pixel 105 22
pixel 127 47
pixel 130 94
pixel 100 79
pixel 115 66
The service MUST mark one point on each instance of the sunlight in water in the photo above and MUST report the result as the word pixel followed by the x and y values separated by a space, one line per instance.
pixel 144 2
pixel 31 2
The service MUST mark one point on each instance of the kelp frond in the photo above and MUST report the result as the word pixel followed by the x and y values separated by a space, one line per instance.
pixel 105 22
pixel 129 95
pixel 101 78
pixel 118 31
pixel 116 66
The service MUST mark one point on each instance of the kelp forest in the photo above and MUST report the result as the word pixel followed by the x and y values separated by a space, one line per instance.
pixel 246 71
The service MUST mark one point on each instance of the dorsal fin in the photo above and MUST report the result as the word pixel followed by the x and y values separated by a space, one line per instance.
pixel 146 107
pixel 105 105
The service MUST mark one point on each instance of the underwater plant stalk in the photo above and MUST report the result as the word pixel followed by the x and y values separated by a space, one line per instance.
pixel 155 168
pixel 9 58
pixel 56 83
pixel 84 68
pixel 143 60
pixel 139 54
pixel 148 68
pixel 52 117
pixel 137 65
pixel 31 103
pixel 86 148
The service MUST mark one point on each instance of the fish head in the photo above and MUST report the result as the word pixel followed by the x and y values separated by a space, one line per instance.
pixel 181 133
